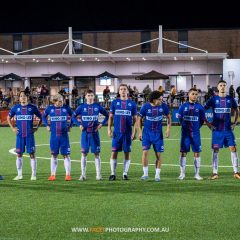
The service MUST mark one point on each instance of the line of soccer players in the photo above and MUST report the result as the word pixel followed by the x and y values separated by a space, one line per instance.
pixel 123 113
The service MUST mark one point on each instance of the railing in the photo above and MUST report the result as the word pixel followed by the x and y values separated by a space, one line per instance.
pixel 44 101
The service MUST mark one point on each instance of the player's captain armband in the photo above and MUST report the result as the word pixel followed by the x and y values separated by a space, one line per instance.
pixel 222 110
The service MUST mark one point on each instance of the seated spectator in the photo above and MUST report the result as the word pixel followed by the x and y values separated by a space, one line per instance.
pixel 160 89
pixel 1 96
pixel 173 93
pixel 9 97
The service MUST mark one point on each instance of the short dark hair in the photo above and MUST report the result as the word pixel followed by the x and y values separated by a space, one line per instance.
pixel 222 81
pixel 154 95
pixel 23 91
pixel 89 91
pixel 192 89
pixel 122 85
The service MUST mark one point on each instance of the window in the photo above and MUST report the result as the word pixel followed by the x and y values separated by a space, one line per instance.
pixel 183 38
pixel 183 42
pixel 77 46
pixel 17 43
pixel 105 81
pixel 145 47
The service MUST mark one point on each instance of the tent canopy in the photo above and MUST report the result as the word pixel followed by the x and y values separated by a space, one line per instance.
pixel 58 77
pixel 152 75
pixel 11 77
pixel 106 74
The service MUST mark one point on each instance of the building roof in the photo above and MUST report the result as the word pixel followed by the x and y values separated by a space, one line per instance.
pixel 106 57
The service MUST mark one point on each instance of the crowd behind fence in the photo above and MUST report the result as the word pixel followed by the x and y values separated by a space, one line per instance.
pixel 40 96
pixel 7 102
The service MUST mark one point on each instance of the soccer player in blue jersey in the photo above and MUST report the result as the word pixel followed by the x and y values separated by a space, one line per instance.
pixel 191 116
pixel 222 132
pixel 24 130
pixel 123 112
pixel 153 113
pixel 89 125
pixel 59 127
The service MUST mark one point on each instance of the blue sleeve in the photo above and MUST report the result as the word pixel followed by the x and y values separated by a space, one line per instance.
pixel 234 103
pixel 166 110
pixel 70 112
pixel 202 114
pixel 134 110
pixel 12 112
pixel 104 112
pixel 45 116
pixel 180 114
pixel 112 107
pixel 209 103
pixel 37 112
pixel 74 116
pixel 142 112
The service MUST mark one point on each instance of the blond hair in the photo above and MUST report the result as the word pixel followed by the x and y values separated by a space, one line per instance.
pixel 57 97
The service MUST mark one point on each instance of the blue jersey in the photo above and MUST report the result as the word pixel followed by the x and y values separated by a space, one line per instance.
pixel 153 116
pixel 221 107
pixel 89 114
pixel 191 116
pixel 123 111
pixel 24 118
pixel 58 117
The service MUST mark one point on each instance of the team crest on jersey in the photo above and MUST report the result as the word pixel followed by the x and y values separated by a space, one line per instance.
pixel 217 101
pixel 118 103
pixel 64 110
pixel 160 110
pixel 130 104
pixel 85 110
pixel 95 109
pixel 228 101
pixel 30 109
pixel 196 110
pixel 185 109
pixel 18 109
pixel 52 110
pixel 149 111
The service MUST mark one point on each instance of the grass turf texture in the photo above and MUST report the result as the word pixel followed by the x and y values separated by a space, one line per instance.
pixel 49 210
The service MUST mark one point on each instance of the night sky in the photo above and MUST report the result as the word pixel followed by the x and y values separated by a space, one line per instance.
pixel 100 15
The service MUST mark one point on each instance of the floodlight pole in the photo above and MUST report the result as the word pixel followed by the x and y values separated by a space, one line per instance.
pixel 70 51
pixel 160 42
pixel 70 48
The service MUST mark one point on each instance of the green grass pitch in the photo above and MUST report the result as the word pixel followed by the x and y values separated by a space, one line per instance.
pixel 189 209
